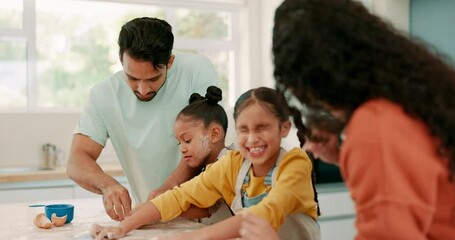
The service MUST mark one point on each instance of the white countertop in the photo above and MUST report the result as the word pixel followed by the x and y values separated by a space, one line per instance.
pixel 16 222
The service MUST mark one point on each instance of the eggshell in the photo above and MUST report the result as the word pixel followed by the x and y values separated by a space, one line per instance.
pixel 58 221
pixel 42 221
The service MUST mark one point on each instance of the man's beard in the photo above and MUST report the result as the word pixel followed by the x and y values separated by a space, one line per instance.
pixel 146 99
pixel 153 93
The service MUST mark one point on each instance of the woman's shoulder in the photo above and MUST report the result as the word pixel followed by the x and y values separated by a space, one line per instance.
pixel 381 116
pixel 380 109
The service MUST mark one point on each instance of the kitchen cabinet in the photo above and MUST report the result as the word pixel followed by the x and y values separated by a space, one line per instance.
pixel 337 212
pixel 337 229
pixel 35 194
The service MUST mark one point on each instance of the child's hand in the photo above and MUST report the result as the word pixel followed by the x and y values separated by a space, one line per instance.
pixel 110 232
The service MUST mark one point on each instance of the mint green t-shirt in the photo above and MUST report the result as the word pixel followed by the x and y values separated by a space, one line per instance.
pixel 142 132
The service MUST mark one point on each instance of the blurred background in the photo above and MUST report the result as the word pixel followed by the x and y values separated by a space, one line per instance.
pixel 53 51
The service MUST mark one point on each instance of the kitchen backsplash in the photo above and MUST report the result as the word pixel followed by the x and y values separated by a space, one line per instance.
pixel 22 136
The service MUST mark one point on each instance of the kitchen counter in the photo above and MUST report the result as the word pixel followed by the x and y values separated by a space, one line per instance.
pixel 59 173
pixel 16 222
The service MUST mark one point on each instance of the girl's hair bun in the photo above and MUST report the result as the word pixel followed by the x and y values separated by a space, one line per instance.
pixel 195 97
pixel 214 95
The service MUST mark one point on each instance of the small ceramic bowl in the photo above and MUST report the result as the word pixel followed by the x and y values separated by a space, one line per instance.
pixel 60 210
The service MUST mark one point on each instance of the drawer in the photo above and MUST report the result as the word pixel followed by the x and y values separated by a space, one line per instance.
pixel 336 204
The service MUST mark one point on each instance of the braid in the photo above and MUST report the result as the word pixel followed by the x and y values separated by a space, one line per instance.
pixel 301 132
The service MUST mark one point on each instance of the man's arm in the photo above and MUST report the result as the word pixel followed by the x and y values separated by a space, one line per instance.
pixel 83 169
pixel 181 174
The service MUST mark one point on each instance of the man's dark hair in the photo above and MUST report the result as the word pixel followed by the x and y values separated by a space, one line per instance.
pixel 147 39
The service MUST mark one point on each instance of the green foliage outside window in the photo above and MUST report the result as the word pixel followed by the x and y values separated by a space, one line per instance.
pixel 76 47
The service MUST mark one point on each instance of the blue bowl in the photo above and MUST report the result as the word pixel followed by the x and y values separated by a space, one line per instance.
pixel 60 210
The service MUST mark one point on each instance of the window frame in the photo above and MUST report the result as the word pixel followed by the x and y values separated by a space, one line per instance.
pixel 234 7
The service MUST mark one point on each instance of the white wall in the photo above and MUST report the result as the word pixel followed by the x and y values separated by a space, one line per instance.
pixel 395 12
pixel 23 134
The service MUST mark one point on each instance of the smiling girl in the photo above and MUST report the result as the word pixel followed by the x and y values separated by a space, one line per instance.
pixel 260 178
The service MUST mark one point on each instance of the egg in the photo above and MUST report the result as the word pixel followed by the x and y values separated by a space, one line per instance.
pixel 58 221
pixel 42 221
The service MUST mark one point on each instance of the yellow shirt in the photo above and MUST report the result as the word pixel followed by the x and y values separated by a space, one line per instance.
pixel 292 192
pixel 255 186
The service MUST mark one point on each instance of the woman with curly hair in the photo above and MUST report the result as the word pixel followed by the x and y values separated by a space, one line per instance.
pixel 395 100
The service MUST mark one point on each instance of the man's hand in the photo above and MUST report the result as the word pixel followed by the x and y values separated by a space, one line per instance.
pixel 117 202
pixel 85 171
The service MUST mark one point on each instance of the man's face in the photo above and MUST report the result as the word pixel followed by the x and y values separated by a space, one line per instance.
pixel 143 78
pixel 323 145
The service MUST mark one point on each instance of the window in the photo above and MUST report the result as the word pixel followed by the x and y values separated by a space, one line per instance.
pixel 53 51
pixel 13 69
pixel 11 14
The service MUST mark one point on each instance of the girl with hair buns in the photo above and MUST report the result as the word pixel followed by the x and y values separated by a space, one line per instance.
pixel 200 129
pixel 260 179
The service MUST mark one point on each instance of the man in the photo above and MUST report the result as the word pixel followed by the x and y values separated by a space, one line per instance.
pixel 136 109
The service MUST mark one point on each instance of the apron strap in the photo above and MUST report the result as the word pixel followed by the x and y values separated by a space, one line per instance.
pixel 237 202
pixel 277 164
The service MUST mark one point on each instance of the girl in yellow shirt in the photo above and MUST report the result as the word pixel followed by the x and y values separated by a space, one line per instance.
pixel 278 186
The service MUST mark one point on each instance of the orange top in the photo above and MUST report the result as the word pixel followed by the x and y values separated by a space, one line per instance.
pixel 399 183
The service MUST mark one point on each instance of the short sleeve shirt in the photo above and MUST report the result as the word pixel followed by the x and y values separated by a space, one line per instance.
pixel 142 132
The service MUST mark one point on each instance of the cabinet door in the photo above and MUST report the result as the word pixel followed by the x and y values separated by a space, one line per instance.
pixel 336 204
pixel 338 229
pixel 79 192
pixel 337 215
pixel 35 194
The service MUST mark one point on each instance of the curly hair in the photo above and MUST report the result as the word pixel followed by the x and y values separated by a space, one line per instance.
pixel 336 53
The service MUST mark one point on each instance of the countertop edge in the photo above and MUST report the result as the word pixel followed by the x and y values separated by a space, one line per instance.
pixel 58 173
